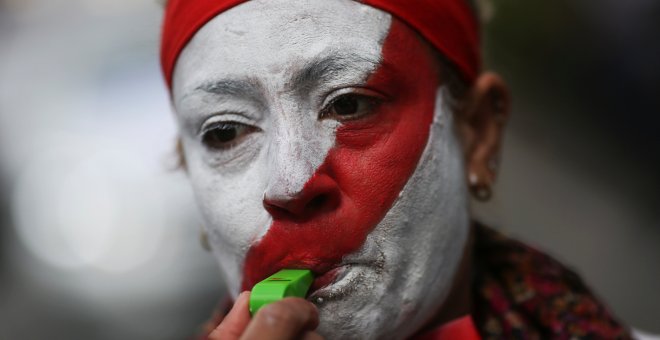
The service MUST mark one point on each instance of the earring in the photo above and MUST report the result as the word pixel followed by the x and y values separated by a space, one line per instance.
pixel 204 240
pixel 481 191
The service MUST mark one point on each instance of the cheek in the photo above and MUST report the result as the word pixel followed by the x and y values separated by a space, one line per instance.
pixel 232 212
pixel 369 165
pixel 230 202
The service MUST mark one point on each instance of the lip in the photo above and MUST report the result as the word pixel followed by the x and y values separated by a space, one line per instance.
pixel 329 278
pixel 324 276
pixel 345 279
pixel 325 279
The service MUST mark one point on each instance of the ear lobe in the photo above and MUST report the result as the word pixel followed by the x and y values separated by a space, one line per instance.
pixel 484 117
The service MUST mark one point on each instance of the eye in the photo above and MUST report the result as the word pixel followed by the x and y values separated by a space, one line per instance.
pixel 349 106
pixel 224 135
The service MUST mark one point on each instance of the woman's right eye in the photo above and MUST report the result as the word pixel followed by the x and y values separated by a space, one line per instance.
pixel 222 136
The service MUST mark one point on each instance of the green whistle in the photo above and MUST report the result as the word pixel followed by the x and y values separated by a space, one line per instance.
pixel 285 283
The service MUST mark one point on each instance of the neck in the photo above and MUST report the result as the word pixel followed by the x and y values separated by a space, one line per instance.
pixel 459 301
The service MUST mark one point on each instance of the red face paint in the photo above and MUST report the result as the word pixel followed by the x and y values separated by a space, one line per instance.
pixel 362 175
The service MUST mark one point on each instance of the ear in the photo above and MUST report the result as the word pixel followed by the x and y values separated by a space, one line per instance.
pixel 481 124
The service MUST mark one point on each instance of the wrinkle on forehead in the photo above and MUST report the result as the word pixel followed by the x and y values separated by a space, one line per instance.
pixel 318 71
pixel 270 38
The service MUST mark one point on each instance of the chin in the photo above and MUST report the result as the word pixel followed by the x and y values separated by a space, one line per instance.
pixel 389 290
pixel 366 302
pixel 356 306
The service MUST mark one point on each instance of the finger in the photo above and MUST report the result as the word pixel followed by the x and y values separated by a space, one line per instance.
pixel 235 322
pixel 283 320
pixel 312 336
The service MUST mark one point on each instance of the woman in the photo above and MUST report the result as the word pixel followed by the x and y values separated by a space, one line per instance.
pixel 345 137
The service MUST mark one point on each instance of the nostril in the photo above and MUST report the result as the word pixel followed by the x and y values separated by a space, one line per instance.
pixel 321 203
pixel 321 195
pixel 276 208
pixel 317 203
pixel 299 208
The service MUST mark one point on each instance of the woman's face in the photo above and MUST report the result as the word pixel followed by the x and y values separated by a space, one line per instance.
pixel 316 136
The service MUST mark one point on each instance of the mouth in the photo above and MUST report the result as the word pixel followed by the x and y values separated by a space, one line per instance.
pixel 325 279
pixel 329 281
pixel 341 281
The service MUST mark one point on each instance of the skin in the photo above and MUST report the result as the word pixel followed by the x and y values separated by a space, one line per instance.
pixel 290 318
pixel 376 205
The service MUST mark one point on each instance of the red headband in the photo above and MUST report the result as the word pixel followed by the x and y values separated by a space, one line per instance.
pixel 449 25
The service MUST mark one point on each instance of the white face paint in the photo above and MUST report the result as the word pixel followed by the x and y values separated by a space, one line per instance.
pixel 245 67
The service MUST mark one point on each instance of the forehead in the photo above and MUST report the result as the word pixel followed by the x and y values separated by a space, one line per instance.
pixel 271 38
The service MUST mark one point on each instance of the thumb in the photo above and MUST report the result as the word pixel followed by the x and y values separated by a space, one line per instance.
pixel 234 324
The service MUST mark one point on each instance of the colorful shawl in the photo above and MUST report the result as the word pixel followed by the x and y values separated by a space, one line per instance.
pixel 521 293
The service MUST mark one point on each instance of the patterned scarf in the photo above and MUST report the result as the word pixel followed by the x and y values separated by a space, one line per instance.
pixel 521 293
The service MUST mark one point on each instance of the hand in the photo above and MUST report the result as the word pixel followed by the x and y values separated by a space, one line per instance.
pixel 289 318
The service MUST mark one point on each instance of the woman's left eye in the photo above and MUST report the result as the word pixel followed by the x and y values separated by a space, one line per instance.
pixel 349 106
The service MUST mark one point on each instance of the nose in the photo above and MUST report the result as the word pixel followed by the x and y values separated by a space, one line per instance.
pixel 319 195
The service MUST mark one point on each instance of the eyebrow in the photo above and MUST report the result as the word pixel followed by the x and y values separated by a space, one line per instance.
pixel 331 67
pixel 319 70
pixel 232 87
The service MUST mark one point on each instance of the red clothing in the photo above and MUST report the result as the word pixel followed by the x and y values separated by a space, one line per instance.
pixel 448 25
pixel 461 328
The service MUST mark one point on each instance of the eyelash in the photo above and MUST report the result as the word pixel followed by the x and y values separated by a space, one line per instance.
pixel 237 131
pixel 372 101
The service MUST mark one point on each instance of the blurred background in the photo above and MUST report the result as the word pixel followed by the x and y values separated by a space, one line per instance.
pixel 99 234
